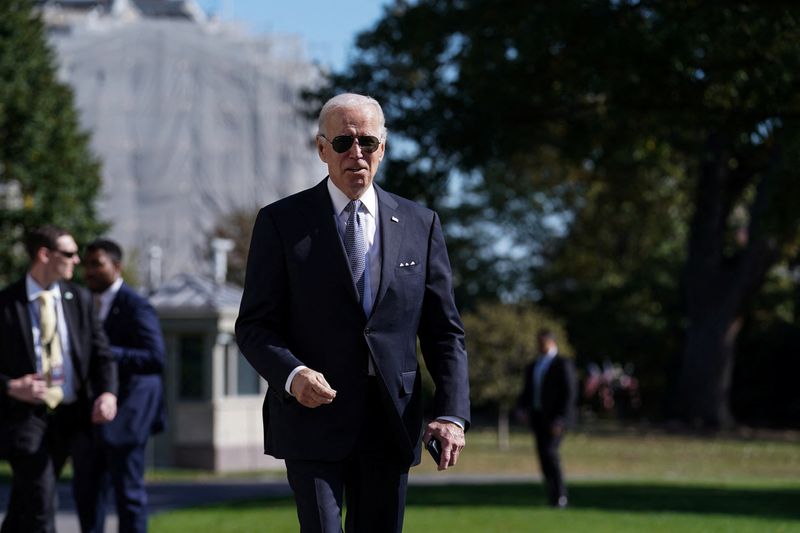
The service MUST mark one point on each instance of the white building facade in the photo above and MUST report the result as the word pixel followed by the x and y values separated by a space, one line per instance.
pixel 191 119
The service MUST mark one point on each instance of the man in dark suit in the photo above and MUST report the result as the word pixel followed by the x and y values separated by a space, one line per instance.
pixel 57 376
pixel 341 281
pixel 118 456
pixel 548 401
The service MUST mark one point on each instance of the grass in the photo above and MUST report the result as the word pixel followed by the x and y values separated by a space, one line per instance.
pixel 596 506
pixel 634 455
pixel 619 481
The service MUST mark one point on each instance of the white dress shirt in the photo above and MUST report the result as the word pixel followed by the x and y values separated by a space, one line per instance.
pixel 107 298
pixel 371 233
pixel 33 289
pixel 372 242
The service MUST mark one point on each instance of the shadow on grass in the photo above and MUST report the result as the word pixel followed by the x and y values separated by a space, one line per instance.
pixel 631 497
pixel 617 497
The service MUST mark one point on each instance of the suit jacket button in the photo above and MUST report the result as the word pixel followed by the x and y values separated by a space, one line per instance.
pixel 367 331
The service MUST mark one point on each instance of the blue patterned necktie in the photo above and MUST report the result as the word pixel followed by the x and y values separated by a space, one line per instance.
pixel 355 246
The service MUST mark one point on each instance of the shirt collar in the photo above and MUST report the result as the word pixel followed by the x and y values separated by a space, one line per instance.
pixel 550 353
pixel 34 290
pixel 340 199
pixel 110 293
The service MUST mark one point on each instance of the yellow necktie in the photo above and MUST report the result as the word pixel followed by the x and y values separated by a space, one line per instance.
pixel 52 361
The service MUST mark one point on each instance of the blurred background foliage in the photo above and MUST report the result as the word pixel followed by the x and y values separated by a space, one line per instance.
pixel 501 341
pixel 47 173
pixel 627 169
pixel 630 167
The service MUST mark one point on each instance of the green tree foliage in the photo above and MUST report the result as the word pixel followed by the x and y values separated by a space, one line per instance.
pixel 47 174
pixel 501 342
pixel 632 164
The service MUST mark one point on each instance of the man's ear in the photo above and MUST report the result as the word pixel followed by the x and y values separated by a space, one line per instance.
pixel 321 150
pixel 43 255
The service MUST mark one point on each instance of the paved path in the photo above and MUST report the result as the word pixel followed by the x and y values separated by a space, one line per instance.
pixel 165 496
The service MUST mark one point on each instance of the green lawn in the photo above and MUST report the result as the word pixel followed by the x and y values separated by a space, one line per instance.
pixel 619 481
pixel 596 506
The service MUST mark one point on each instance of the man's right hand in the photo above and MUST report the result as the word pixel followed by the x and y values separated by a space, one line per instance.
pixel 311 389
pixel 30 388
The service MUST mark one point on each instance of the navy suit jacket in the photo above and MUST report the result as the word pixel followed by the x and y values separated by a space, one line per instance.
pixel 134 334
pixel 300 307
pixel 559 389
pixel 23 425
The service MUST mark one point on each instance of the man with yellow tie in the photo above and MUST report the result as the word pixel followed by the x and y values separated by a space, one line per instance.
pixel 57 376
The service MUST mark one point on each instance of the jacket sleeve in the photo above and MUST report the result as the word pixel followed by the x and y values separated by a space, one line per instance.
pixel 261 325
pixel 102 366
pixel 147 356
pixel 441 333
pixel 569 388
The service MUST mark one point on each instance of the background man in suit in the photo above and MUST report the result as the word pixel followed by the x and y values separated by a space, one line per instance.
pixel 118 455
pixel 56 377
pixel 548 400
pixel 341 280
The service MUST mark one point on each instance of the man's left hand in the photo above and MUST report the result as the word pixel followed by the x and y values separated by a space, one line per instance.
pixel 105 408
pixel 450 436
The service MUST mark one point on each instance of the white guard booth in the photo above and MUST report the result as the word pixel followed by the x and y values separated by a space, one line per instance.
pixel 214 396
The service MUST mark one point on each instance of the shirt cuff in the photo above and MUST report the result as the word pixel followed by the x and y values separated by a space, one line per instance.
pixel 457 420
pixel 288 386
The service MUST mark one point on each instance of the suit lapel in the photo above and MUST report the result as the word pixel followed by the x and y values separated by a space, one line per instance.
pixel 325 226
pixel 111 318
pixel 69 303
pixel 391 226
pixel 24 317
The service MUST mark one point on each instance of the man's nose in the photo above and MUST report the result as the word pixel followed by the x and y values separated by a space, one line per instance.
pixel 355 149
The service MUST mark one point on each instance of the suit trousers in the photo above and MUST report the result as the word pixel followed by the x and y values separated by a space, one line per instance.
pixel 102 467
pixel 32 502
pixel 547 449
pixel 371 481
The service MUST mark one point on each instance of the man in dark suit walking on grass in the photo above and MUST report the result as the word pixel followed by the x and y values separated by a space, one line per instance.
pixel 548 403
pixel 342 279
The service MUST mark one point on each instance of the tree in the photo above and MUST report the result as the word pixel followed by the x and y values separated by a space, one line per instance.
pixel 236 225
pixel 502 341
pixel 47 173
pixel 584 127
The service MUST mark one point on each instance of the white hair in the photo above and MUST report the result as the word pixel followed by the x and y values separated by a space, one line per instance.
pixel 349 101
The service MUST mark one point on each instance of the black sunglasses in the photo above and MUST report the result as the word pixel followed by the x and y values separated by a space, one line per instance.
pixel 342 143
pixel 68 255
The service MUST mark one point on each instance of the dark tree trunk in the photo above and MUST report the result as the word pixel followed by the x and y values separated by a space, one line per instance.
pixel 719 285
pixel 706 371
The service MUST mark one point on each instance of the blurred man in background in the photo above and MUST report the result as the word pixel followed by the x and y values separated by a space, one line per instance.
pixel 57 376
pixel 548 403
pixel 118 456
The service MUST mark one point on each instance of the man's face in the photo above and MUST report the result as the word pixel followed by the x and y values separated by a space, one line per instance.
pixel 100 270
pixel 352 171
pixel 546 344
pixel 62 260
